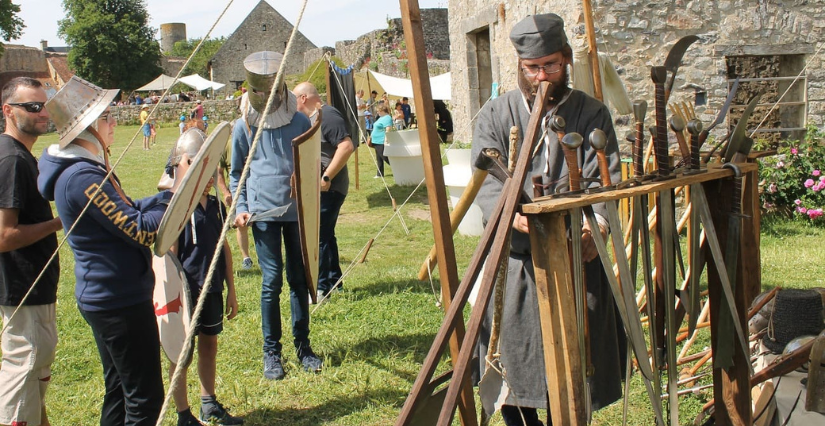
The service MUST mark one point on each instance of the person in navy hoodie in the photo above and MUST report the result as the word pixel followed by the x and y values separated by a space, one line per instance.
pixel 110 241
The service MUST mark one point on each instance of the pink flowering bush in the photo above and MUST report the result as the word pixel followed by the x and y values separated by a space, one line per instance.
pixel 792 182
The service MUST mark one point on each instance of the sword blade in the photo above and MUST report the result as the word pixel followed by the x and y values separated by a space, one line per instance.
pixel 666 219
pixel 634 333
pixel 696 266
pixel 701 202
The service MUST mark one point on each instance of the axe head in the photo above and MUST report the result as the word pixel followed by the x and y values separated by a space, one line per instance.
pixel 485 160
pixel 639 111
pixel 737 138
pixel 674 57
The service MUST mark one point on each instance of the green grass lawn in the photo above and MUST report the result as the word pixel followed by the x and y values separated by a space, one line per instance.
pixel 373 336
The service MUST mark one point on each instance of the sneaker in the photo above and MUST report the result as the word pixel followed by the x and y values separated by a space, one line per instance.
pixel 273 369
pixel 186 418
pixel 319 294
pixel 215 413
pixel 309 360
pixel 246 264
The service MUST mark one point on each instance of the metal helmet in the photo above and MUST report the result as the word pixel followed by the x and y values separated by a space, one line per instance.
pixel 190 143
pixel 76 107
pixel 261 69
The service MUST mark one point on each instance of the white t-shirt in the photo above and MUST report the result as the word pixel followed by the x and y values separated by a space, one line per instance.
pixel 182 125
pixel 360 104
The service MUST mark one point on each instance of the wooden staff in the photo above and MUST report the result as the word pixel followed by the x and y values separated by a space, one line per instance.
pixel 592 51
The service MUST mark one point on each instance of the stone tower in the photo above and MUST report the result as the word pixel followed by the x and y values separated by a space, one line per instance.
pixel 171 34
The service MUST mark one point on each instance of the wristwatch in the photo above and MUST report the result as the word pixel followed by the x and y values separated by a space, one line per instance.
pixel 325 178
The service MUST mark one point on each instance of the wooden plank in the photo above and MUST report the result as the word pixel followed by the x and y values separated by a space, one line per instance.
pixel 549 204
pixel 554 288
pixel 436 190
pixel 750 268
pixel 731 387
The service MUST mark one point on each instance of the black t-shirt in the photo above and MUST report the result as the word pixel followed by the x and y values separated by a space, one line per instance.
pixel 333 131
pixel 19 268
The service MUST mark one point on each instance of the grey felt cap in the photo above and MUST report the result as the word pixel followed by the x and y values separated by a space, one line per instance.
pixel 537 36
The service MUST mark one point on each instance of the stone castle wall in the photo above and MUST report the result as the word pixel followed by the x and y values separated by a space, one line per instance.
pixel 385 48
pixel 638 34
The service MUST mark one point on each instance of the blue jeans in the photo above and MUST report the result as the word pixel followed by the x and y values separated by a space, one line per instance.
pixel 329 269
pixel 268 246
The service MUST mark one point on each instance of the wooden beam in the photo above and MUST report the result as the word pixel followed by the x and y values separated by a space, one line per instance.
pixel 554 289
pixel 436 190
pixel 549 204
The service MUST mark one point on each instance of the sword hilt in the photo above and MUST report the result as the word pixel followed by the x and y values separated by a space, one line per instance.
pixel 598 140
pixel 677 124
pixel 570 144
pixel 557 125
pixel 659 76
pixel 639 111
pixel 694 127
pixel 736 208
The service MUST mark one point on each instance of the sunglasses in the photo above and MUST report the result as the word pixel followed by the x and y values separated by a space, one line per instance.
pixel 30 106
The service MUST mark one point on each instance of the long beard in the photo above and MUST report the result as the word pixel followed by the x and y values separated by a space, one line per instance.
pixel 557 91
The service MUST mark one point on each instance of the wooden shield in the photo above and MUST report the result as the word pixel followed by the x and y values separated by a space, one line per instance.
pixel 172 304
pixel 186 198
pixel 306 151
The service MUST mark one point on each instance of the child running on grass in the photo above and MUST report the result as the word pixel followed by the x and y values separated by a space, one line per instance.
pixel 195 249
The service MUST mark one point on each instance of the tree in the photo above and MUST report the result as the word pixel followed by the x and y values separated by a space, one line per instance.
pixel 111 43
pixel 198 65
pixel 11 26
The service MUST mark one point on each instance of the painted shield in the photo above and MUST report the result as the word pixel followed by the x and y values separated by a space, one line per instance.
pixel 306 150
pixel 186 198
pixel 172 304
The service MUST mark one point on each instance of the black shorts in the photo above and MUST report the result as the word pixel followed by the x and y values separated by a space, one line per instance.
pixel 210 322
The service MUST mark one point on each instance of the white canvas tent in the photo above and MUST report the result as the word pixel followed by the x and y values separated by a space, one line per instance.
pixel 161 83
pixel 400 87
pixel 199 83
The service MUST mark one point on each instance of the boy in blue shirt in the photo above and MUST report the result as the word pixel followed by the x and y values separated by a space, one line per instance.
pixel 195 248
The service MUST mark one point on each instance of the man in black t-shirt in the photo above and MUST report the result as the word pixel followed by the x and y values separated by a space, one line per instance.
pixel 27 241
pixel 336 148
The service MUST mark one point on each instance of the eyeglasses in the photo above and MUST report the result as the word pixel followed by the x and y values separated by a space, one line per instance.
pixel 533 70
pixel 107 116
pixel 30 106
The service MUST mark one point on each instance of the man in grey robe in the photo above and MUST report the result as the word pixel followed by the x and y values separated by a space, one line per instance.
pixel 544 55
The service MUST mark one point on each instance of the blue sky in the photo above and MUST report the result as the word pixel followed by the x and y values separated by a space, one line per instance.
pixel 324 21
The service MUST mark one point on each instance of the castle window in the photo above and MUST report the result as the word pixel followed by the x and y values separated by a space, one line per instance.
pixel 245 47
pixel 263 27
pixel 772 76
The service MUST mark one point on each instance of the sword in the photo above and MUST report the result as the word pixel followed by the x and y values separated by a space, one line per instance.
pixel 273 212
pixel 677 124
pixel 664 237
pixel 695 128
pixel 623 293
pixel 570 144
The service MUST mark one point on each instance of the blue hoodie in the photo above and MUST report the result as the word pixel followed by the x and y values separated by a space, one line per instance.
pixel 268 185
pixel 113 264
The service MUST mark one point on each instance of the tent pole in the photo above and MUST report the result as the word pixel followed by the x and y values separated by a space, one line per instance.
pixel 436 193
pixel 592 50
